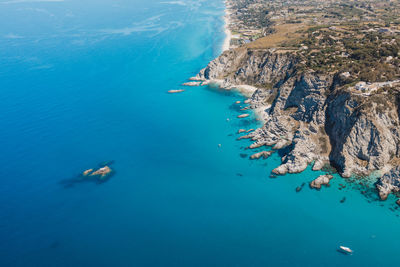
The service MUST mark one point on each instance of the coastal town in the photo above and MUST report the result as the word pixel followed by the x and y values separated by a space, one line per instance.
pixel 249 20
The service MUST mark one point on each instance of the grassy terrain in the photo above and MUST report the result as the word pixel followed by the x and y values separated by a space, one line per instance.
pixel 284 34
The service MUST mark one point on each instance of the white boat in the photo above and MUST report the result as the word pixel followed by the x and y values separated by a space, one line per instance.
pixel 346 249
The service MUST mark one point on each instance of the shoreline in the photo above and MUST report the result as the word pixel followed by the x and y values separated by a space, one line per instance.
pixel 228 35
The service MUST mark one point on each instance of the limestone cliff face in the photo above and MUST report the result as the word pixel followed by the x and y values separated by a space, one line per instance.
pixel 252 67
pixel 363 131
pixel 312 115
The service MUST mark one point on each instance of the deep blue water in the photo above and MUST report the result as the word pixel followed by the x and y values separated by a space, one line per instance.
pixel 84 82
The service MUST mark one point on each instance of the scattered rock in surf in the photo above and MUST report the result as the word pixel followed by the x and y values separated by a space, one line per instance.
pixel 398 202
pixel 241 131
pixel 343 200
pixel 176 91
pixel 192 84
pixel 219 145
pixel 243 116
pixel 250 130
pixel 321 180
pixel 237 102
pixel 264 154
pixel 272 176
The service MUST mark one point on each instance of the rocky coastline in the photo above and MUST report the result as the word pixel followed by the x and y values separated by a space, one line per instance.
pixel 311 117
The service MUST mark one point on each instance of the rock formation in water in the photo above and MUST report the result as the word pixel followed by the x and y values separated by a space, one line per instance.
pixel 320 181
pixel 389 183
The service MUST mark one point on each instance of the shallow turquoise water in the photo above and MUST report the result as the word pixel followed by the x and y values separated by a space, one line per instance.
pixel 84 83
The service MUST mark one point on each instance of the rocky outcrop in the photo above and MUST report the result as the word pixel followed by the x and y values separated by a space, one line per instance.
pixel 101 172
pixel 311 117
pixel 192 84
pixel 264 154
pixel 176 91
pixel 389 183
pixel 243 116
pixel 321 180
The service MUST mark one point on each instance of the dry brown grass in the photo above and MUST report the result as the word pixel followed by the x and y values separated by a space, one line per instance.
pixel 284 34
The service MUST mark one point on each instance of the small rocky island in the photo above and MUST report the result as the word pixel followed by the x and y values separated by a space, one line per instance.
pixel 97 175
pixel 100 173
pixel 324 77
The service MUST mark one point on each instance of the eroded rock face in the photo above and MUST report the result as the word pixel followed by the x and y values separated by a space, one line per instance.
pixel 245 66
pixel 321 180
pixel 363 134
pixel 311 117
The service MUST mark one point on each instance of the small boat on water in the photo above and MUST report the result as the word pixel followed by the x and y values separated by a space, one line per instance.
pixel 346 250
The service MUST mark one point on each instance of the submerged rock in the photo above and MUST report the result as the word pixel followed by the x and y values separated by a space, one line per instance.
pixel 243 116
pixel 321 180
pixel 192 84
pixel 299 188
pixel 176 91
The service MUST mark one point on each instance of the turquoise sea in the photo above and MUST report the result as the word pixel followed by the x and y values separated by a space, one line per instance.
pixel 85 82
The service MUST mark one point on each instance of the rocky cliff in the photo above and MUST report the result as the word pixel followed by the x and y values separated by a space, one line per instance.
pixel 312 118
